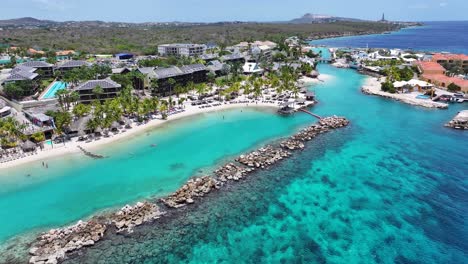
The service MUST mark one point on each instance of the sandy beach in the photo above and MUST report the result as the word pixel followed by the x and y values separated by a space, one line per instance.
pixel 72 146
pixel 372 86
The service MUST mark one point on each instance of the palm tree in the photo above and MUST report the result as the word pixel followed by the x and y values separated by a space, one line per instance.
pixel 171 83
pixel 98 91
pixel 154 86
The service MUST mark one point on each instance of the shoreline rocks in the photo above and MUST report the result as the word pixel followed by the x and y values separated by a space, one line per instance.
pixel 197 187
pixel 130 216
pixel 460 121
pixel 232 172
pixel 52 246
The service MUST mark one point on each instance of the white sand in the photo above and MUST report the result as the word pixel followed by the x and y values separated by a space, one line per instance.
pixel 321 78
pixel 72 146
pixel 373 86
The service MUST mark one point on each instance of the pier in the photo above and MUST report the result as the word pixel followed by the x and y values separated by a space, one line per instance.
pixel 310 113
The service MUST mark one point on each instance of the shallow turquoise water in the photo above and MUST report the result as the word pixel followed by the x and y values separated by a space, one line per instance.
pixel 391 188
pixel 75 187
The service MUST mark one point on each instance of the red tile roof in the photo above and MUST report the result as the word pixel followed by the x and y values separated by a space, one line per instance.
pixel 430 66
pixel 440 56
pixel 446 79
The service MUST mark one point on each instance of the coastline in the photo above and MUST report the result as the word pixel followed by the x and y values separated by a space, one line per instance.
pixel 54 246
pixel 72 147
pixel 372 87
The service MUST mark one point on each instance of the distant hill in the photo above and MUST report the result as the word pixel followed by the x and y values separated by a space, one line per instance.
pixel 316 18
pixel 26 21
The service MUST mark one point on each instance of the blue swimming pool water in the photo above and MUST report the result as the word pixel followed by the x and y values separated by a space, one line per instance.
pixel 422 96
pixel 53 89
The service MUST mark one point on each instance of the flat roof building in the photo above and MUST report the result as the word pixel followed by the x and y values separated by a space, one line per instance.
pixel 180 49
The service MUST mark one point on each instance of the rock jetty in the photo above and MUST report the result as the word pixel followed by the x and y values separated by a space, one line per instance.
pixel 460 121
pixel 130 216
pixel 263 157
pixel 232 172
pixel 197 187
pixel 52 246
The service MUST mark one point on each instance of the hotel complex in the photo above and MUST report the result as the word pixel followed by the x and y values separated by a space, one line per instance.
pixel 179 49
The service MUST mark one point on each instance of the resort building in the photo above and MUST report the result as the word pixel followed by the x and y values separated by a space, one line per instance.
pixel 215 67
pixel 71 64
pixel 195 73
pixel 233 58
pixel 209 57
pixel 87 93
pixel 44 69
pixel 434 73
pixel 22 73
pixel 121 70
pixel 429 67
pixel 179 49
pixel 451 59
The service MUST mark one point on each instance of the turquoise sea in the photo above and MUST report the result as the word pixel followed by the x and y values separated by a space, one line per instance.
pixel 391 188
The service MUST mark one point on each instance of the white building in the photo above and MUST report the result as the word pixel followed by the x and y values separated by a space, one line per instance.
pixel 179 49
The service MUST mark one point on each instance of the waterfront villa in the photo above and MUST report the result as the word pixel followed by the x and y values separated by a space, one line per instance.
pixel 412 84
pixel 87 94
pixel 180 49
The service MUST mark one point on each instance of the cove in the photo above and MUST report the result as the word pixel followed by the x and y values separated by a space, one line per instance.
pixel 74 186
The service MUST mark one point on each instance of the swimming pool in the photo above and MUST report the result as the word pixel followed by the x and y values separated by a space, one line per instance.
pixel 423 96
pixel 53 89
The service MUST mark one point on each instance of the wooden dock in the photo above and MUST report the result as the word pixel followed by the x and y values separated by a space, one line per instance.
pixel 310 113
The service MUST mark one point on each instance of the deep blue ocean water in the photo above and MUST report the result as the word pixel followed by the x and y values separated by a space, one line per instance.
pixel 433 36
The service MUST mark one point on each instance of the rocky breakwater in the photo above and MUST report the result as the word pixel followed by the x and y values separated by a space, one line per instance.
pixel 460 121
pixel 232 172
pixel 197 187
pixel 51 247
pixel 130 216
pixel 263 157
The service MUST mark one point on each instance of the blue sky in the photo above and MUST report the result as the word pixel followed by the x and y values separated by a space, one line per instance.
pixel 222 10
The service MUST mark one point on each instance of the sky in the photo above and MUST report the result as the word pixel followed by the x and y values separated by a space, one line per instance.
pixel 229 10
